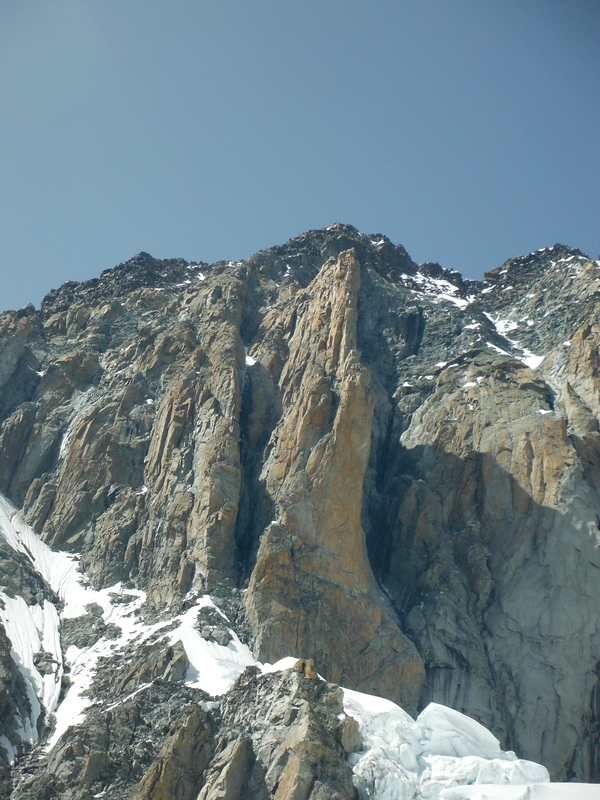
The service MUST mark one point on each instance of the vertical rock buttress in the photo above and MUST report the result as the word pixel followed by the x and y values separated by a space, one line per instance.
pixel 312 591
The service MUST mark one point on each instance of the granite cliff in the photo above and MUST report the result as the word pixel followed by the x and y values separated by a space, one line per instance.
pixel 369 462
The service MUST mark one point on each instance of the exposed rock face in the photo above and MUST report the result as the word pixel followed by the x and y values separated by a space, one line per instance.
pixel 496 534
pixel 118 746
pixel 177 772
pixel 312 589
pixel 282 736
pixel 400 487
pixel 495 503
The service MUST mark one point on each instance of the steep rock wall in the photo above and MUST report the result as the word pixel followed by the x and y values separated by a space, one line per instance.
pixel 312 590
pixel 399 452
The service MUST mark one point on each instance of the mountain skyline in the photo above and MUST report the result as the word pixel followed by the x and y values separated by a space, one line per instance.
pixel 464 131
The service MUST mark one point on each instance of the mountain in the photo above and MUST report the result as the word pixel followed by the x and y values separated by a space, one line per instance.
pixel 327 452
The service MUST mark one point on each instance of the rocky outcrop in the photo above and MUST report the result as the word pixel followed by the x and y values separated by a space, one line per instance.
pixel 493 518
pixel 372 462
pixel 282 735
pixel 144 447
pixel 177 772
pixel 497 493
pixel 114 748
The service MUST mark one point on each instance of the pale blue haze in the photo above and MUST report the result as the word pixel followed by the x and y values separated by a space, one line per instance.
pixel 467 130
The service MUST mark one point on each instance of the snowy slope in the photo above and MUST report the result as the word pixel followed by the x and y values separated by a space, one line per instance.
pixel 442 754
pixel 213 668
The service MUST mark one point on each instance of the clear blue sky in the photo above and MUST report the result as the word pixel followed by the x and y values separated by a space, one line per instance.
pixel 467 130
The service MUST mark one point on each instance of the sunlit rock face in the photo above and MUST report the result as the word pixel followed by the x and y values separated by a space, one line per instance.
pixel 312 588
pixel 370 462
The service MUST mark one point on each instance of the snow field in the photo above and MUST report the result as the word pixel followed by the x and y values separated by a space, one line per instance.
pixel 31 629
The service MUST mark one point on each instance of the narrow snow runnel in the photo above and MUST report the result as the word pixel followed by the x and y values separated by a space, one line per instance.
pixel 503 327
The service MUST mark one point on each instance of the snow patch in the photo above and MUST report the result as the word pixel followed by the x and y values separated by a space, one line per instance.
pixel 478 381
pixel 535 791
pixel 503 327
pixel 31 630
pixel 283 663
pixel 497 349
pixel 442 289
pixel 249 361
pixel 531 360
pixel 213 667
pixel 405 758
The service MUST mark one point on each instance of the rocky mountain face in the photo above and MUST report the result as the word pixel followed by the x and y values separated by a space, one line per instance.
pixel 166 743
pixel 364 461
